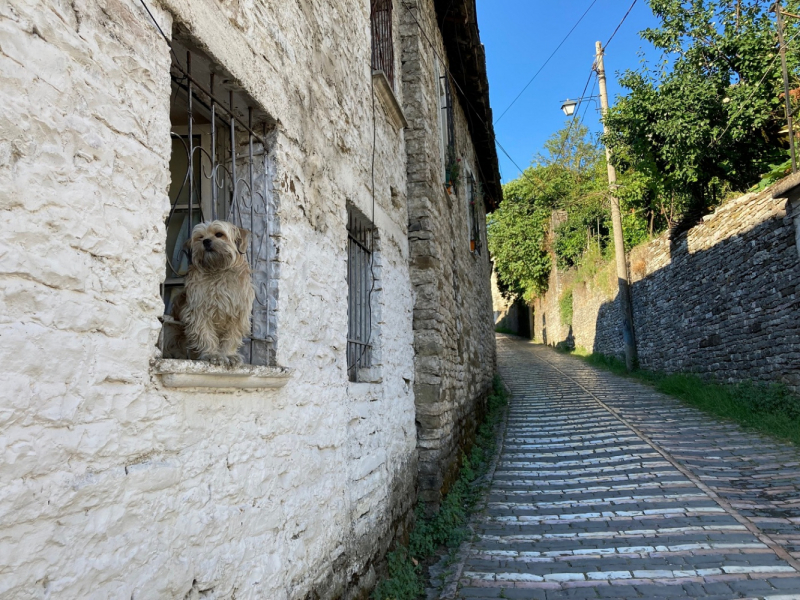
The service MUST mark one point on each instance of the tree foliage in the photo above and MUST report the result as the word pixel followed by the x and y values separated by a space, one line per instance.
pixel 706 118
pixel 569 177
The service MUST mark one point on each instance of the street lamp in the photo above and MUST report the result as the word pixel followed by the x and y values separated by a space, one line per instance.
pixel 569 107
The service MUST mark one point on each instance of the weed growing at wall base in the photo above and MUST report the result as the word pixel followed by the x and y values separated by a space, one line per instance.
pixel 447 527
pixel 770 409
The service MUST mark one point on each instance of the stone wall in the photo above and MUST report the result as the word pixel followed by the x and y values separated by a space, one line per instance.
pixel 453 336
pixel 115 486
pixel 722 299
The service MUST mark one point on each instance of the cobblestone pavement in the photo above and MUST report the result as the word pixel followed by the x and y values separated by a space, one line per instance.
pixel 607 489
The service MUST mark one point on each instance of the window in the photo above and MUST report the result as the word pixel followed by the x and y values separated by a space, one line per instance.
pixel 382 44
pixel 446 133
pixel 360 288
pixel 473 215
pixel 219 170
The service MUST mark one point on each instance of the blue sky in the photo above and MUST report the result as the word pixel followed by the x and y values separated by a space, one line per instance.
pixel 519 35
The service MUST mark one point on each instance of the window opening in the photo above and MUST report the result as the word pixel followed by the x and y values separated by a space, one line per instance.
pixel 219 169
pixel 473 215
pixel 382 46
pixel 360 285
pixel 447 133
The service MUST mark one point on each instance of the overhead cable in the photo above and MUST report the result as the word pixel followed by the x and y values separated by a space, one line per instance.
pixel 620 23
pixel 552 54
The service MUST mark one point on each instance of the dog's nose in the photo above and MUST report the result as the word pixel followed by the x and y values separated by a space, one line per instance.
pixel 206 244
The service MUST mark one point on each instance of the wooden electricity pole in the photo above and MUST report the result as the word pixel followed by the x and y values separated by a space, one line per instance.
pixel 628 337
pixel 787 100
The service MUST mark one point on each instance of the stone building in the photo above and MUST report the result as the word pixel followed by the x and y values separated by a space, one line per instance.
pixel 353 140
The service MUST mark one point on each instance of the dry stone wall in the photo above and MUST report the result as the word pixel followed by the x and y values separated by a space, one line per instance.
pixel 115 486
pixel 722 299
pixel 453 336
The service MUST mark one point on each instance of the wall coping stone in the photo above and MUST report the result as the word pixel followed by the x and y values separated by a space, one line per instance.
pixel 386 94
pixel 200 374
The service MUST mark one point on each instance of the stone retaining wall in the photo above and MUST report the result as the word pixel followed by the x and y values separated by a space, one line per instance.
pixel 722 299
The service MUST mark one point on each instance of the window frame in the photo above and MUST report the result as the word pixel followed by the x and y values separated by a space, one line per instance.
pixel 382 38
pixel 234 167
pixel 362 248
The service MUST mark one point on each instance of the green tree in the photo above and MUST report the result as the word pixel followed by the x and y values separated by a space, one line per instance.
pixel 706 118
pixel 568 176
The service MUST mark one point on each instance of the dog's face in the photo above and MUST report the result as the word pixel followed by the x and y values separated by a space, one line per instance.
pixel 217 245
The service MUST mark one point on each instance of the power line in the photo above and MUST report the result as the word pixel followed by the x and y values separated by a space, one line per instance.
pixel 620 24
pixel 575 118
pixel 755 89
pixel 552 54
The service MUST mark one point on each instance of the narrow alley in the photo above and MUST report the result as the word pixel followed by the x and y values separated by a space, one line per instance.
pixel 607 489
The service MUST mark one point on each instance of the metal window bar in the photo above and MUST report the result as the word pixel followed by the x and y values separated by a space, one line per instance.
pixel 475 230
pixel 234 194
pixel 382 46
pixel 448 108
pixel 359 293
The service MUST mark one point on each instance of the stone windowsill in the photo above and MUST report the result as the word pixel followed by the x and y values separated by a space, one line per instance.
pixel 383 90
pixel 201 374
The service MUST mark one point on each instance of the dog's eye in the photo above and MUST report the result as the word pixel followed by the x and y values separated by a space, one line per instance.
pixel 220 235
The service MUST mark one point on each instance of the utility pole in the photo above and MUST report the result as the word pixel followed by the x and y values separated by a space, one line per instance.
pixel 787 102
pixel 628 337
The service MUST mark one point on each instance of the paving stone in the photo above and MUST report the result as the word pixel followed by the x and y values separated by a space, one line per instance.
pixel 582 505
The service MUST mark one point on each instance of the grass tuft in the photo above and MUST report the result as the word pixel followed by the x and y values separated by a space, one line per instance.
pixel 447 528
pixel 767 408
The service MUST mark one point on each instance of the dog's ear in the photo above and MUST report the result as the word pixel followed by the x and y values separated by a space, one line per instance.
pixel 242 239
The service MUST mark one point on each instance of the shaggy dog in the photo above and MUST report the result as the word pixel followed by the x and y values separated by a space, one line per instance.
pixel 215 308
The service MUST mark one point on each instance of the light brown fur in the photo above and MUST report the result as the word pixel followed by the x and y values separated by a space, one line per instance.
pixel 215 310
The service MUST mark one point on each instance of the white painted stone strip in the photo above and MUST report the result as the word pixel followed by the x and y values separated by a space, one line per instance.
pixel 665 531
pixel 573 463
pixel 609 515
pixel 619 468
pixel 595 438
pixel 619 550
pixel 609 575
pixel 533 446
pixel 586 452
pixel 598 501
pixel 654 574
pixel 755 569
pixel 599 488
pixel 498 482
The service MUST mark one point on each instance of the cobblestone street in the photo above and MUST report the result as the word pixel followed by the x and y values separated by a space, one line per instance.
pixel 607 489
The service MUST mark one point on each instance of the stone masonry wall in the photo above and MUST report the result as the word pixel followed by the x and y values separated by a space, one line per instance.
pixel 722 299
pixel 113 485
pixel 453 336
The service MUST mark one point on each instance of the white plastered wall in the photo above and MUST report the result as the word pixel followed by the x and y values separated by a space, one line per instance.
pixel 113 486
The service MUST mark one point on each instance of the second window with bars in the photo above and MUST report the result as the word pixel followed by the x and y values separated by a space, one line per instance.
pixel 360 287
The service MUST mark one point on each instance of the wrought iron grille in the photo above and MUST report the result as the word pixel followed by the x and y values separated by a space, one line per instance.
pixel 474 214
pixel 448 112
pixel 382 46
pixel 360 284
pixel 220 169
pixel 447 138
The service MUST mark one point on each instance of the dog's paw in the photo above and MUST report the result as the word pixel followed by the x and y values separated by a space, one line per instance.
pixel 234 360
pixel 215 359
